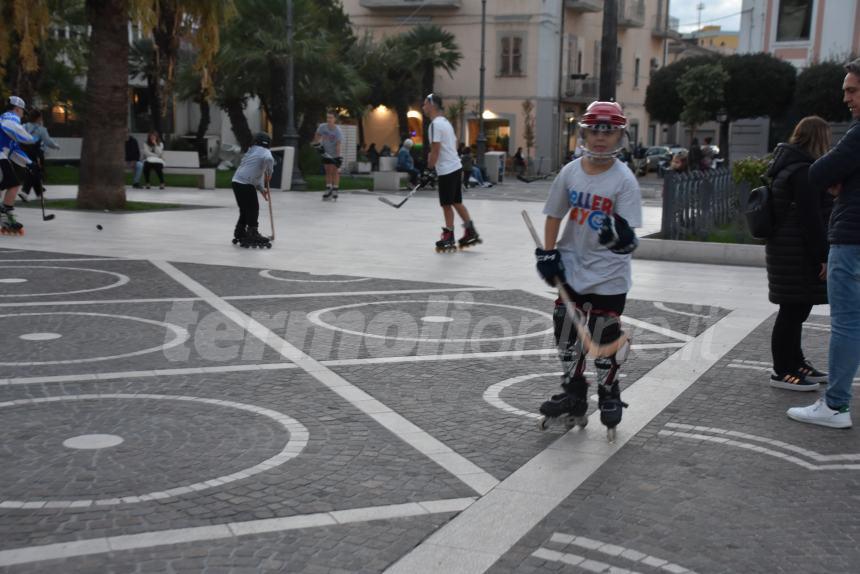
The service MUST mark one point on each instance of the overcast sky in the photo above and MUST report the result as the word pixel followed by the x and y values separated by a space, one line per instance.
pixel 688 15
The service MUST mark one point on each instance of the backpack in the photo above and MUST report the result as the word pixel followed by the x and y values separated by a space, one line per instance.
pixel 761 221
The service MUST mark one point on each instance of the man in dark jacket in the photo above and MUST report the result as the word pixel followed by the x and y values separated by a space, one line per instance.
pixel 839 172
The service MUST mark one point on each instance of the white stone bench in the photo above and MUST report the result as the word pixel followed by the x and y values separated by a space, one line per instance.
pixel 388 180
pixel 388 163
pixel 188 162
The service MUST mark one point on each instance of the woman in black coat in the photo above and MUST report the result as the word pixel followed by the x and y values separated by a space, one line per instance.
pixel 797 252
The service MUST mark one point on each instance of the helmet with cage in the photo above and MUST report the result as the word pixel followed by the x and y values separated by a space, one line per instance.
pixel 605 117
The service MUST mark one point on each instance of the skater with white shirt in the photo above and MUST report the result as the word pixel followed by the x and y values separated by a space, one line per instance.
pixel 445 160
pixel 601 200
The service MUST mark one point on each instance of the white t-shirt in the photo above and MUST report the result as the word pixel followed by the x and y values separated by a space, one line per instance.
pixel 441 131
pixel 585 199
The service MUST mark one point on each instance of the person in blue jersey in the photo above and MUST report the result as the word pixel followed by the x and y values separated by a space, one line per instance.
pixel 13 162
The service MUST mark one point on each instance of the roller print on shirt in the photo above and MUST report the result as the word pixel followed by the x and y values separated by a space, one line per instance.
pixel 588 208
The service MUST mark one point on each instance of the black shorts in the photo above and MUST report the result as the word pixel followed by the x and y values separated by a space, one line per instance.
pixel 450 188
pixel 330 161
pixel 8 175
pixel 605 315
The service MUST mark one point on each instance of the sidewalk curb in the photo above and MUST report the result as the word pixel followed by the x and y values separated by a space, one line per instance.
pixel 701 252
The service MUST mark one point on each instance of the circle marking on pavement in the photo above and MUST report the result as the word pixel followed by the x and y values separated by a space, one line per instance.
pixel 436 319
pixel 92 441
pixel 121 280
pixel 10 280
pixel 298 439
pixel 180 336
pixel 39 336
pixel 267 273
pixel 314 317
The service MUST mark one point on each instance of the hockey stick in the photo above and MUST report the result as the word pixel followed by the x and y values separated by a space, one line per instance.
pixel 579 320
pixel 387 201
pixel 50 216
pixel 271 217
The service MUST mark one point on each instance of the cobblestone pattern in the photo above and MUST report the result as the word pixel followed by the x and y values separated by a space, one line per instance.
pixel 714 508
pixel 62 277
pixel 213 340
pixel 233 281
pixel 367 547
pixel 349 461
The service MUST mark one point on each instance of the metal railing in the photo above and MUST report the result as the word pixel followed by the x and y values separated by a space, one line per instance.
pixel 584 5
pixel 696 202
pixel 582 89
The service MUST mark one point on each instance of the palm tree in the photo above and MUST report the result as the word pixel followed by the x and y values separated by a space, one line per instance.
pixel 431 49
pixel 24 29
pixel 102 178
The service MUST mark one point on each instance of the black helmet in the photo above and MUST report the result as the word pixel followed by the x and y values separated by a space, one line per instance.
pixel 262 139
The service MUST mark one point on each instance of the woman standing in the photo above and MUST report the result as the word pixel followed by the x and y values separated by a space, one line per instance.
pixel 797 252
pixel 153 150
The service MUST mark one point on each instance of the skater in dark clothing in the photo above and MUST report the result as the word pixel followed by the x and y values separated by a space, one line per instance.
pixel 444 159
pixel 797 252
pixel 35 178
pixel 253 175
pixel 601 200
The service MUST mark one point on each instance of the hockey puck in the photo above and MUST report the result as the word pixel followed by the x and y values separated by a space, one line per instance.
pixel 99 227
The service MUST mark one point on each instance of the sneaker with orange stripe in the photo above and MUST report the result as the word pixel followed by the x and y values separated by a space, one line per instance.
pixel 792 382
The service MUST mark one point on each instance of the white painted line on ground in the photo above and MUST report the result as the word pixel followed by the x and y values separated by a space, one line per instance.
pixel 65 550
pixel 267 273
pixel 758 449
pixel 4 260
pixel 617 551
pixel 122 280
pixel 281 366
pixel 663 307
pixel 251 297
pixel 468 472
pixel 811 454
pixel 473 541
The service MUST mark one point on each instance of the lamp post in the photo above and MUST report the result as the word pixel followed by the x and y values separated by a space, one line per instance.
pixel 482 137
pixel 292 136
pixel 722 119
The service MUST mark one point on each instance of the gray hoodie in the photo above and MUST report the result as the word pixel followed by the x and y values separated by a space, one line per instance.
pixel 256 163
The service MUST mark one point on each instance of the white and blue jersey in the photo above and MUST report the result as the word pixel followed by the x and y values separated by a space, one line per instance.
pixel 12 133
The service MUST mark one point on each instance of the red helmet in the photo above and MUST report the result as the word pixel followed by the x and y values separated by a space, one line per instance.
pixel 604 115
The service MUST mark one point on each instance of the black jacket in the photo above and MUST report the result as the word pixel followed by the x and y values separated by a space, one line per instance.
pixel 841 165
pixel 798 245
pixel 132 150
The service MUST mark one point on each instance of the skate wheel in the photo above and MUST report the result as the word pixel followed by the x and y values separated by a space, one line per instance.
pixel 543 424
pixel 235 241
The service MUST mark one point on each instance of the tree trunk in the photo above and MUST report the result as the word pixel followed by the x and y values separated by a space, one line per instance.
pixel 102 176
pixel 277 100
pixel 427 82
pixel 205 119
pixel 154 105
pixel 235 109
pixel 166 36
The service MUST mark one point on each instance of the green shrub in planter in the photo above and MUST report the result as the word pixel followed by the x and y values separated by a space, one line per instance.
pixel 749 170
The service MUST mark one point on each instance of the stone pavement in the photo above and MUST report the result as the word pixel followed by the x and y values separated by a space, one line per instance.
pixel 343 403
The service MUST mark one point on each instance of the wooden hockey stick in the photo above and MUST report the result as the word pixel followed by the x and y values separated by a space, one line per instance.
pixel 271 216
pixel 399 204
pixel 578 318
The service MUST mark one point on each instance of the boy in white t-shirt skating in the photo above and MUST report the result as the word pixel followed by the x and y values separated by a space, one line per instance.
pixel 445 160
pixel 601 200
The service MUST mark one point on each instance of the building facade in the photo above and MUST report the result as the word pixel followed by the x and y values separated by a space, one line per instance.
pixel 801 31
pixel 544 51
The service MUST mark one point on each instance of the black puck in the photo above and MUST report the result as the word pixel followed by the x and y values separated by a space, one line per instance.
pixel 99 227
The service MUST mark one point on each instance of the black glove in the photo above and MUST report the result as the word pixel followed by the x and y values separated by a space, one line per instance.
pixel 549 266
pixel 617 235
pixel 427 178
pixel 319 147
pixel 338 161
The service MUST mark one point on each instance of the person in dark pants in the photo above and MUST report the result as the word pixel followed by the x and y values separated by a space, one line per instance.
pixel 153 150
pixel 838 172
pixel 797 252
pixel 35 178
pixel 253 175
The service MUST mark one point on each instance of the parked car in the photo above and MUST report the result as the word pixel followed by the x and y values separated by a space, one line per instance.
pixel 653 155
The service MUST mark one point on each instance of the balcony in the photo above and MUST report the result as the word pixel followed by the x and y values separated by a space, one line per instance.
pixel 660 30
pixel 583 90
pixel 584 5
pixel 408 4
pixel 631 13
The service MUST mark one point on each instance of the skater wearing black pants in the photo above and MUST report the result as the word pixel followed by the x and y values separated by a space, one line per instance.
pixel 253 175
pixel 601 200
pixel 444 159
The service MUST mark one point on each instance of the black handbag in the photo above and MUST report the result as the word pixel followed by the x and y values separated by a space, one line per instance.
pixel 759 211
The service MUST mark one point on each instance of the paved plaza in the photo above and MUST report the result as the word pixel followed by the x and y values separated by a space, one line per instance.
pixel 351 401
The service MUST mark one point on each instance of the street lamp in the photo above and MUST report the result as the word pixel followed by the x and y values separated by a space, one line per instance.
pixel 482 137
pixel 292 137
pixel 722 118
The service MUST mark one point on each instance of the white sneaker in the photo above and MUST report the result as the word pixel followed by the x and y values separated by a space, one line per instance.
pixel 820 414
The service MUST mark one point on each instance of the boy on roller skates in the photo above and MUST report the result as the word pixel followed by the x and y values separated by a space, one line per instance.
pixel 601 199
pixel 444 159
pixel 13 162
pixel 330 137
pixel 253 174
